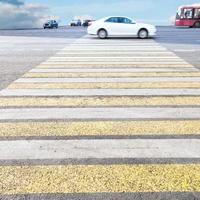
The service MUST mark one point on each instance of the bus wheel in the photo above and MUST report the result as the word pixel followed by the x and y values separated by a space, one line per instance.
pixel 197 25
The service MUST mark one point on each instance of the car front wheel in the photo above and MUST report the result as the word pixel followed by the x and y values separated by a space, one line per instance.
pixel 143 34
pixel 102 34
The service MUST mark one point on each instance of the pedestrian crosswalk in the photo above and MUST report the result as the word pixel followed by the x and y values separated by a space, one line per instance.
pixel 116 116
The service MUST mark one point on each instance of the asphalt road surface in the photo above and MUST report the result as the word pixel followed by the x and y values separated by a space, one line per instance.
pixel 83 118
pixel 21 50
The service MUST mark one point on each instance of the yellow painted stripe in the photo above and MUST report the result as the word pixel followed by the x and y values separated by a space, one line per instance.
pixel 103 85
pixel 110 75
pixel 71 65
pixel 99 178
pixel 99 128
pixel 99 101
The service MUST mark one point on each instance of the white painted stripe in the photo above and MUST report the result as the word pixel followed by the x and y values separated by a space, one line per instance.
pixel 135 113
pixel 120 44
pixel 184 50
pixel 126 58
pixel 114 52
pixel 114 70
pixel 99 92
pixel 83 149
pixel 115 62
pixel 126 41
pixel 108 80
pixel 106 43
pixel 116 48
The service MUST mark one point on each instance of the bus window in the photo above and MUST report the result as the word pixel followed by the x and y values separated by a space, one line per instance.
pixel 188 13
pixel 178 14
pixel 197 13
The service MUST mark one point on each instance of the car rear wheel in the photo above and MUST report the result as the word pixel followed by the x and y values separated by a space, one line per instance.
pixel 102 34
pixel 197 25
pixel 143 34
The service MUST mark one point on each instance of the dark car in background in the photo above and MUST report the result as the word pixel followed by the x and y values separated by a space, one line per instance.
pixel 87 22
pixel 51 24
pixel 76 22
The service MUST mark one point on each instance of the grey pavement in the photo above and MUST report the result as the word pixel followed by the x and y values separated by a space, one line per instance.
pixel 185 42
pixel 22 50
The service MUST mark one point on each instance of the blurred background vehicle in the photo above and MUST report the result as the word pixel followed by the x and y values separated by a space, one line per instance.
pixel 75 22
pixel 122 27
pixel 188 16
pixel 51 24
pixel 87 22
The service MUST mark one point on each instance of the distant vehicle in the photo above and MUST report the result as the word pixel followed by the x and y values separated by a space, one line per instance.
pixel 120 26
pixel 188 16
pixel 75 22
pixel 87 23
pixel 51 24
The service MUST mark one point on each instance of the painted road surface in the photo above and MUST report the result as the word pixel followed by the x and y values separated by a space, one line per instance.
pixel 102 119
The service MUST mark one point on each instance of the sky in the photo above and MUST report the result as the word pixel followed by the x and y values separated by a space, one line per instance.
pixel 32 13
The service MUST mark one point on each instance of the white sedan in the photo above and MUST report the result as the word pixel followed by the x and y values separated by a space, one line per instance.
pixel 121 27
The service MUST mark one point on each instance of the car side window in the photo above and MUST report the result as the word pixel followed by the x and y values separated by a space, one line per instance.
pixel 124 20
pixel 112 20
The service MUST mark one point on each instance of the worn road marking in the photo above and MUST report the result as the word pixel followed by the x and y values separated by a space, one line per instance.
pixel 99 179
pixel 100 149
pixel 116 70
pixel 138 113
pixel 100 92
pixel 110 65
pixel 100 128
pixel 90 85
pixel 100 101
pixel 108 75
pixel 111 80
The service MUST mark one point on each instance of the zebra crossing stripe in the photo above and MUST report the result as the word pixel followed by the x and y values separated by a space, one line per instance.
pixel 105 113
pixel 126 88
pixel 116 65
pixel 99 179
pixel 99 101
pixel 99 92
pixel 100 128
pixel 107 75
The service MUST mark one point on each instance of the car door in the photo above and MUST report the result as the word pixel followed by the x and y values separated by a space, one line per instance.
pixel 112 26
pixel 126 27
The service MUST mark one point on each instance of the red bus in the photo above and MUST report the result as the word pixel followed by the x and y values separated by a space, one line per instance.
pixel 188 16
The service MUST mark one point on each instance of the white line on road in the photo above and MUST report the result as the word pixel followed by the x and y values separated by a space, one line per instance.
pixel 126 58
pixel 83 149
pixel 111 113
pixel 114 70
pixel 114 52
pixel 108 80
pixel 116 62
pixel 100 92
pixel 184 50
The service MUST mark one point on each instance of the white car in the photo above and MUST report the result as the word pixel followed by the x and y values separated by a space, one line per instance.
pixel 122 27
